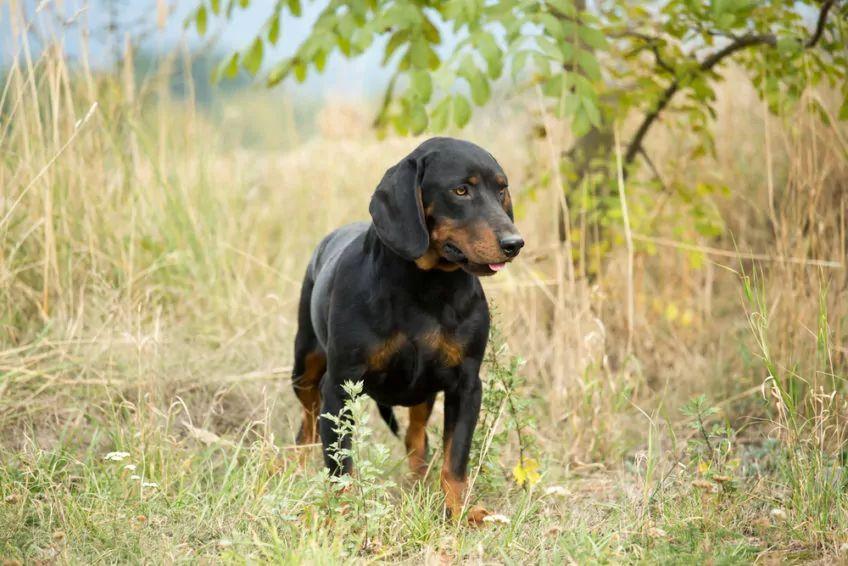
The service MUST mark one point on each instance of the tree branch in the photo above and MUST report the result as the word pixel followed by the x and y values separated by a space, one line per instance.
pixel 823 13
pixel 706 65
pixel 651 42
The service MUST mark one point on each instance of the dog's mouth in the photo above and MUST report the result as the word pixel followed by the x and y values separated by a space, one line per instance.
pixel 453 254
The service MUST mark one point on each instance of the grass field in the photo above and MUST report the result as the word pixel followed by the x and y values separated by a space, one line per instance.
pixel 150 262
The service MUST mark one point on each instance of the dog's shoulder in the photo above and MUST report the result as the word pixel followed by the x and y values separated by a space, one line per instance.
pixel 330 248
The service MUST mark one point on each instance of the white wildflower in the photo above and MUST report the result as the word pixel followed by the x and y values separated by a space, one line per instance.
pixel 557 490
pixel 116 456
pixel 778 514
pixel 149 484
pixel 135 477
pixel 130 467
pixel 496 518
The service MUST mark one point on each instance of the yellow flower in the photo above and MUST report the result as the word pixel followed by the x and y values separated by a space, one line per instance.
pixel 526 470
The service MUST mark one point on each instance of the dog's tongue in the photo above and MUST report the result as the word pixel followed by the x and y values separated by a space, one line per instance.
pixel 496 266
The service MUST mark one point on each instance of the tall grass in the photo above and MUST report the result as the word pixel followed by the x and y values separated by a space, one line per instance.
pixel 149 273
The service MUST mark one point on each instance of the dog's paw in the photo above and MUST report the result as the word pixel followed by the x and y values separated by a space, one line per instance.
pixel 476 515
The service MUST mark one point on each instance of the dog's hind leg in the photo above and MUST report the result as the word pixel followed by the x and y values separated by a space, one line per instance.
pixel 310 363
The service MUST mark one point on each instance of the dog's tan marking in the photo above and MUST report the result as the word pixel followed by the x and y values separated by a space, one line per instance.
pixel 381 356
pixel 432 258
pixel 473 180
pixel 500 180
pixel 482 245
pixel 429 260
pixel 416 438
pixel 306 388
pixel 454 489
pixel 450 350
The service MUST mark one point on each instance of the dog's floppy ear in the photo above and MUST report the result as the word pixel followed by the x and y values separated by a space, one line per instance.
pixel 397 210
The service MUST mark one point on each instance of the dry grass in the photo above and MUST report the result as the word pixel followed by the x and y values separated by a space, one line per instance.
pixel 149 274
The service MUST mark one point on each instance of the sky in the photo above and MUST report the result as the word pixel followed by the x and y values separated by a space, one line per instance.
pixel 65 20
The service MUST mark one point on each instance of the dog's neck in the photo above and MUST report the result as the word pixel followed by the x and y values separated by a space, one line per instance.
pixel 431 263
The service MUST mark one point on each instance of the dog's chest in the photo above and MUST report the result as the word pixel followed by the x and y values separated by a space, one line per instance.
pixel 434 346
pixel 409 366
pixel 424 340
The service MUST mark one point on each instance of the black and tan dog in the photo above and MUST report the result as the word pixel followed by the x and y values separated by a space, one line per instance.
pixel 397 304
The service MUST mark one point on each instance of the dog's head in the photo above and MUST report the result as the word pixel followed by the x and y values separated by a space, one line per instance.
pixel 447 206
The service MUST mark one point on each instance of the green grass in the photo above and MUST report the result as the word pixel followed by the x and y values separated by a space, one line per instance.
pixel 248 495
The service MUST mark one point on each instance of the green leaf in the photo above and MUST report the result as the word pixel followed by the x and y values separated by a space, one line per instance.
pixel 788 46
pixel 401 124
pixel 421 84
pixel 299 71
pixel 279 72
pixel 461 110
pixel 396 40
pixel 567 50
pixel 549 48
pixel 200 19
pixel 519 60
pixel 570 105
pixel 490 51
pixel 592 37
pixel 440 116
pixel 320 60
pixel 216 6
pixel 476 80
pixel 552 26
pixel 417 118
pixel 589 64
pixel 553 86
pixel 230 66
pixel 431 32
pixel 419 53
pixel 591 109
pixel 580 125
pixel 252 60
pixel 565 6
pixel 294 8
pixel 274 29
pixel 361 40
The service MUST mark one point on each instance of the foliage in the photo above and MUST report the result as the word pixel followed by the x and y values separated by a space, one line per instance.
pixel 595 66
pixel 505 411
pixel 365 495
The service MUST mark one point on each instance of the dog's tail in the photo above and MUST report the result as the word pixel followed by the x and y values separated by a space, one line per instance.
pixel 389 416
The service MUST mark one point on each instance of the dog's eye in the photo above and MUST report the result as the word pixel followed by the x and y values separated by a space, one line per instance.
pixel 502 193
pixel 461 191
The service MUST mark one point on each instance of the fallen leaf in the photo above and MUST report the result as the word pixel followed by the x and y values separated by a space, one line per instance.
pixel 205 436
pixel 656 532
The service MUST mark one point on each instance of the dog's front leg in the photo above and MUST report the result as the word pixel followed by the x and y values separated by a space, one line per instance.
pixel 462 408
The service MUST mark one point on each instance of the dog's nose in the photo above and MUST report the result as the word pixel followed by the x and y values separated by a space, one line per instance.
pixel 511 244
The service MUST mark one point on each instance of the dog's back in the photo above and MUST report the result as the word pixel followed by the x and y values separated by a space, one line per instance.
pixel 322 270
